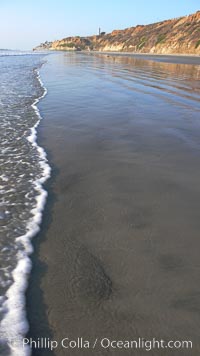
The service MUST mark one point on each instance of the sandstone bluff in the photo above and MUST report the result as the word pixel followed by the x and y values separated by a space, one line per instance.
pixel 176 36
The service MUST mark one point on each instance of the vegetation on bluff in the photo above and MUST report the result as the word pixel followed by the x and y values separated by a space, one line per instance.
pixel 180 35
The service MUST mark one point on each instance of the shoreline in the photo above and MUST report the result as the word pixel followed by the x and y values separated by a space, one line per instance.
pixel 36 308
pixel 168 58
pixel 122 53
pixel 177 58
pixel 148 54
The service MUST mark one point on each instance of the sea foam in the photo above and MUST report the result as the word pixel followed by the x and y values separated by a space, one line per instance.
pixel 14 325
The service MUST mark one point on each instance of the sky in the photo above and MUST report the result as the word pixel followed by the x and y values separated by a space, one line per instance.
pixel 26 23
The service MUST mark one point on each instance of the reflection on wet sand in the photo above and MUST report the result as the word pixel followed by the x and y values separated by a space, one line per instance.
pixel 122 247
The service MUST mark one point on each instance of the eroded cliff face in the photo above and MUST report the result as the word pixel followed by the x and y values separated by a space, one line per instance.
pixel 176 36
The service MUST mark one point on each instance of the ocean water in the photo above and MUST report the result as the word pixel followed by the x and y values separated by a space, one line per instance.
pixel 23 170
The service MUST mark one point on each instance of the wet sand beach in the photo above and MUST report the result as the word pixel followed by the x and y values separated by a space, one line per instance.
pixel 166 58
pixel 118 252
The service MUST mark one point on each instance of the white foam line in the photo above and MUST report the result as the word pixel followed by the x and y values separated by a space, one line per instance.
pixel 14 325
pixel 15 53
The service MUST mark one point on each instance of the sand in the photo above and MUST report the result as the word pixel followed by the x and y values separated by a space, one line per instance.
pixel 118 252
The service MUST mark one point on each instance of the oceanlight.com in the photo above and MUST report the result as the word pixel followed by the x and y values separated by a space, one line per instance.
pixel 104 343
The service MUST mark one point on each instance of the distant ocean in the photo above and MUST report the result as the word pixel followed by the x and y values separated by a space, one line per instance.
pixel 23 170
